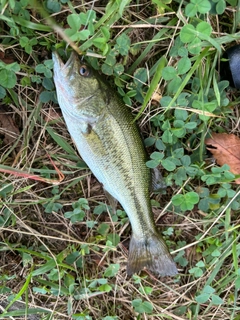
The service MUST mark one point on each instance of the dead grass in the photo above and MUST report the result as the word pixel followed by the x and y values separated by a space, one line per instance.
pixel 30 237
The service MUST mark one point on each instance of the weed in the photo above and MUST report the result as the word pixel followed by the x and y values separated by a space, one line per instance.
pixel 63 248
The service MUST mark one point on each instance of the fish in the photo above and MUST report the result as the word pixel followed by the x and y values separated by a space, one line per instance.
pixel 109 141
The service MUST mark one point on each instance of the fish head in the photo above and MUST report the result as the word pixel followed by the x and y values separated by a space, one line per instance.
pixel 80 91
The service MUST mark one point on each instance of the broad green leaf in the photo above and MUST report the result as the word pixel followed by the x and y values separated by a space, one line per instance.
pixel 48 63
pixel 179 124
pixel 179 113
pixel 183 65
pixel 160 145
pixel 152 164
pixel 190 125
pixel 195 46
pixel 140 77
pixel 186 160
pixel 106 33
pixel 179 132
pixel 158 156
pixel 165 101
pixel 237 283
pixel 83 35
pixel 5 290
pixel 105 288
pixel 204 28
pixel 69 280
pixel 149 141
pixel 111 58
pixel 192 197
pixel 52 206
pixel 119 69
pixel 197 272
pixel 112 270
pixel 201 264
pixel 168 165
pixel 147 289
pixel 74 21
pixel 2 92
pixel 6 189
pixel 208 289
pixel 114 238
pixel 174 84
pixel 99 42
pixel 168 73
pixel 182 52
pixel 53 5
pixel 8 78
pixel 123 44
pixel 216 299
pixel 48 83
pixel 89 16
pixel 24 41
pixel 167 137
pixel 177 199
pixel 107 69
pixel 202 298
pixel 103 229
pixel 45 96
pixel 204 6
pixel 40 68
pixel 142 307
pixel 191 10
pixel 186 33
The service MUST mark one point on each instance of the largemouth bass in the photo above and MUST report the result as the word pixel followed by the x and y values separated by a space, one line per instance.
pixel 108 140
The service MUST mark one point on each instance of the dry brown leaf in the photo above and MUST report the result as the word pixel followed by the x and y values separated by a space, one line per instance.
pixel 8 128
pixel 52 115
pixel 226 150
pixel 4 59
pixel 157 96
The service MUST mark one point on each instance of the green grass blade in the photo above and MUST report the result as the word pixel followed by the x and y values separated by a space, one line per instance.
pixel 32 25
pixel 60 141
pixel 45 268
pixel 156 78
pixel 188 76
pixel 21 292
pixel 23 312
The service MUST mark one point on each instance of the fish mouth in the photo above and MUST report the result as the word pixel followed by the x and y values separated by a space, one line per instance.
pixel 57 61
pixel 59 64
pixel 73 56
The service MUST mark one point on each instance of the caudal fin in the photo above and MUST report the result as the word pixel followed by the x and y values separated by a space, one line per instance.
pixel 150 253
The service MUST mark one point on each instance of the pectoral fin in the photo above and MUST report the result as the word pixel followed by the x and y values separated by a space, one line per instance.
pixel 87 124
pixel 112 201
pixel 157 180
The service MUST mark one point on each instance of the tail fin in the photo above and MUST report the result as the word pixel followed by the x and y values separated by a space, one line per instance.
pixel 151 253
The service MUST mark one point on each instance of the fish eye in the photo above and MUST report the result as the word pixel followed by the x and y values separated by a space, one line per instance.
pixel 84 71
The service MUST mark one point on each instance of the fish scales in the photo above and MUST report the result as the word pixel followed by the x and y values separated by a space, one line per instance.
pixel 109 141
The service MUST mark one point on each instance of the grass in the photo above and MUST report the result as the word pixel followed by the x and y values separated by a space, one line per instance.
pixel 63 249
